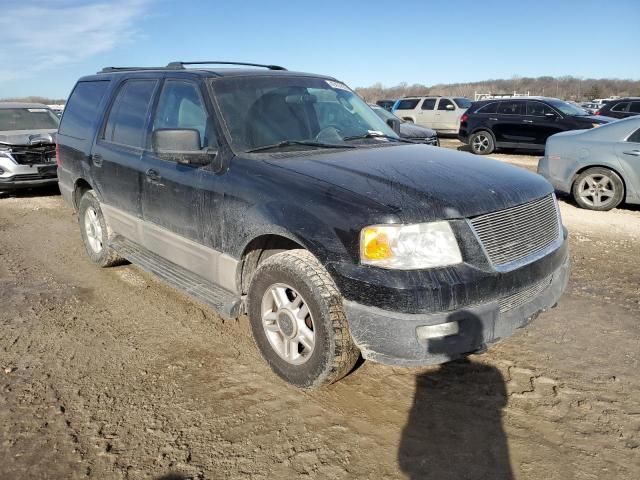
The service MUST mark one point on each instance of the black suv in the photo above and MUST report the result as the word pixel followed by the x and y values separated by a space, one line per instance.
pixel 621 108
pixel 524 123
pixel 284 196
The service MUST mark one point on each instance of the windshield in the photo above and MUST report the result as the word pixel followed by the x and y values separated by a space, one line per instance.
pixel 267 110
pixel 385 114
pixel 27 119
pixel 462 102
pixel 567 108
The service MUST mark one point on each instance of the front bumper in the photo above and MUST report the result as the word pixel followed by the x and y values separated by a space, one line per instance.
pixel 27 176
pixel 423 339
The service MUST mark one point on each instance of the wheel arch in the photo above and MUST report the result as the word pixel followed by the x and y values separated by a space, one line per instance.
pixel 258 250
pixel 80 186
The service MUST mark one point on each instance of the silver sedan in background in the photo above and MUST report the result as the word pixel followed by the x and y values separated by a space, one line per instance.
pixel 599 167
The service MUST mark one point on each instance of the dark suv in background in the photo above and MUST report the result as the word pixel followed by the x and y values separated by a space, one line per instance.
pixel 283 195
pixel 621 108
pixel 524 123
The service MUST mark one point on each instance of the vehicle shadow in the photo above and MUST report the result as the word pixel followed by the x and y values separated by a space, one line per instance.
pixel 172 476
pixel 454 430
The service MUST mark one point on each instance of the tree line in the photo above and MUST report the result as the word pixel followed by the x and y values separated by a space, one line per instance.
pixel 36 99
pixel 567 88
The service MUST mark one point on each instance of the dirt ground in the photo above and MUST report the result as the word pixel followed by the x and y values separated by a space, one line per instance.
pixel 110 374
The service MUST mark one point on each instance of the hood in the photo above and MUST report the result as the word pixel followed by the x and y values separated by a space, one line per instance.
pixel 594 119
pixel 27 137
pixel 421 183
pixel 411 130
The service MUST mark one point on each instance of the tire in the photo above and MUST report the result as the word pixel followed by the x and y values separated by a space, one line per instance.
pixel 95 232
pixel 481 143
pixel 598 188
pixel 293 301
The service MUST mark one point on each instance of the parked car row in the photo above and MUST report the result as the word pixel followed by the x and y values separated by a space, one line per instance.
pixel 442 114
pixel 520 123
pixel 27 145
pixel 621 108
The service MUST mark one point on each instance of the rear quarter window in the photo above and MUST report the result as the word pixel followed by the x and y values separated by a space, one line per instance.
pixel 82 108
pixel 489 108
pixel 407 104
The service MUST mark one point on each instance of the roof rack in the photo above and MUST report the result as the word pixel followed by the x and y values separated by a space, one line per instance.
pixel 180 65
pixel 126 69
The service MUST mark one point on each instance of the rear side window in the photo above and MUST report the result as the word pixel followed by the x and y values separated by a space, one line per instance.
pixel 462 102
pixel 635 107
pixel 511 108
pixel 81 108
pixel 490 108
pixel 128 114
pixel 444 103
pixel 429 104
pixel 407 104
pixel 620 107
pixel 634 137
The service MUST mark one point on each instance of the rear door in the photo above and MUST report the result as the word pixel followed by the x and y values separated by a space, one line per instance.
pixel 426 113
pixel 446 115
pixel 509 126
pixel 620 110
pixel 115 158
pixel 628 152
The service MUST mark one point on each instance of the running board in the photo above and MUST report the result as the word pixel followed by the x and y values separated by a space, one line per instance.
pixel 225 303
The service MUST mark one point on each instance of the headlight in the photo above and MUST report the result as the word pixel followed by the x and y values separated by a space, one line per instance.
pixel 594 125
pixel 407 247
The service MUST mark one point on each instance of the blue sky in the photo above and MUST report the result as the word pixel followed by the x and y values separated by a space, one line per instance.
pixel 45 45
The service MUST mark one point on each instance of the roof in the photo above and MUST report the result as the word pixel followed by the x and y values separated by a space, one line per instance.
pixel 204 72
pixel 22 105
pixel 238 69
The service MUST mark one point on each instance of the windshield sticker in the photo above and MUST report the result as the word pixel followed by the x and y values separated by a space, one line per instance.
pixel 338 85
pixel 37 110
pixel 375 132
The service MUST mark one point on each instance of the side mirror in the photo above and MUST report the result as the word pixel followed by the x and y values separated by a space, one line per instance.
pixel 181 145
pixel 394 123
pixel 450 107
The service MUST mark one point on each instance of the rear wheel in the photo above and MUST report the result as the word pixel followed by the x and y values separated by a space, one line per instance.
pixel 481 143
pixel 598 188
pixel 95 231
pixel 298 322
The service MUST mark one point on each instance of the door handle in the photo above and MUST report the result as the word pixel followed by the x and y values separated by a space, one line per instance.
pixel 635 153
pixel 494 119
pixel 96 158
pixel 153 176
pixel 527 121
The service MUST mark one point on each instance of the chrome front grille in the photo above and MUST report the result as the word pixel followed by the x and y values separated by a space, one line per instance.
pixel 521 297
pixel 514 234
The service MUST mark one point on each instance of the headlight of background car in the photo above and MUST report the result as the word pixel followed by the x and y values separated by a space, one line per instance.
pixel 407 247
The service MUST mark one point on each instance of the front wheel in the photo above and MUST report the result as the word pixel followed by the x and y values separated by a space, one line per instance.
pixel 598 188
pixel 482 143
pixel 298 321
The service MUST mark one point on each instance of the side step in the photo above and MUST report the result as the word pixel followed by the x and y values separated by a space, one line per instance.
pixel 226 303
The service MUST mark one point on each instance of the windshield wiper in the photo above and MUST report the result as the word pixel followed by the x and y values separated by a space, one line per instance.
pixel 376 135
pixel 287 143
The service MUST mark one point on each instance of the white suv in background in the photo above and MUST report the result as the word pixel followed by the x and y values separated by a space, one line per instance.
pixel 439 113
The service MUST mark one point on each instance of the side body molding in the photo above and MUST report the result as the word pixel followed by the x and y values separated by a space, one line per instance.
pixel 217 267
